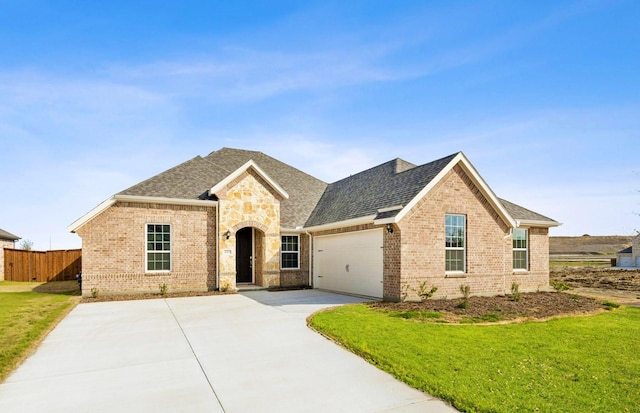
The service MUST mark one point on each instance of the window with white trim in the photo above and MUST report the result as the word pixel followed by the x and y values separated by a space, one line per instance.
pixel 158 249
pixel 455 233
pixel 290 252
pixel 520 249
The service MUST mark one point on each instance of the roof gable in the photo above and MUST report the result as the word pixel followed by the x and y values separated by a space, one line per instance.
pixel 249 165
pixel 391 184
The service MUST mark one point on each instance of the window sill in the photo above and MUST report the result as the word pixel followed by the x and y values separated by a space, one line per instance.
pixel 290 269
pixel 152 273
pixel 520 271
pixel 455 275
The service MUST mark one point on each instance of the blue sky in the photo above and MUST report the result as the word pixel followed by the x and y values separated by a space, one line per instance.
pixel 543 97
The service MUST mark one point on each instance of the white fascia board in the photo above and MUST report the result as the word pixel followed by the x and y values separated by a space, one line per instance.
pixel 525 223
pixel 164 201
pixel 391 208
pixel 241 170
pixel 466 165
pixel 135 199
pixel 342 224
pixel 90 215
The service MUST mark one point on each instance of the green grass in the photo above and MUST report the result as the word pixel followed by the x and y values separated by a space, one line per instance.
pixel 579 364
pixel 25 319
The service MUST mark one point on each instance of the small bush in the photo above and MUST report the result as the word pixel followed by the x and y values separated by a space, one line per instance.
pixel 610 305
pixel 224 287
pixel 94 292
pixel 559 286
pixel 466 293
pixel 404 293
pixel 515 292
pixel 164 289
pixel 425 294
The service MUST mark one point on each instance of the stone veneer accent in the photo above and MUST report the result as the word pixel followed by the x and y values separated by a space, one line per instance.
pixel 4 244
pixel 114 244
pixel 249 201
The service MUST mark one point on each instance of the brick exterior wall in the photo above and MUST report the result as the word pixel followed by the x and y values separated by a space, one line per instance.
pixel 4 244
pixel 489 258
pixel 414 252
pixel 114 245
pixel 300 277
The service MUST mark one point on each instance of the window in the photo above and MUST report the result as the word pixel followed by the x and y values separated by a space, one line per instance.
pixel 158 247
pixel 290 252
pixel 520 251
pixel 455 243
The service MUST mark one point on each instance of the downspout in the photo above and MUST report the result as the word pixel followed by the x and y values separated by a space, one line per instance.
pixel 218 245
pixel 505 254
pixel 310 255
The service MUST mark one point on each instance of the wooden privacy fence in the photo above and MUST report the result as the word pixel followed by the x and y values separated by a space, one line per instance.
pixel 41 266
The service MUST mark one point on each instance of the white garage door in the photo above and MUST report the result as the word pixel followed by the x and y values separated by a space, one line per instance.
pixel 349 262
pixel 625 262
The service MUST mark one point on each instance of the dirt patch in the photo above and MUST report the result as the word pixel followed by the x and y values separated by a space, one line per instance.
pixel 621 286
pixel 530 306
pixel 149 296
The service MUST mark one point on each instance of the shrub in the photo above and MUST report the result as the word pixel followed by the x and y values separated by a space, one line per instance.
pixel 466 293
pixel 610 305
pixel 94 292
pixel 515 292
pixel 559 286
pixel 425 294
pixel 164 289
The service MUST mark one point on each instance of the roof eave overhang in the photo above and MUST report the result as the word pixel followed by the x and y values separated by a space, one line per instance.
pixel 536 223
pixel 369 219
pixel 250 164
pixel 135 199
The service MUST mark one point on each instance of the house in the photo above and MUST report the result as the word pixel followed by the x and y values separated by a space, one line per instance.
pixel 630 257
pixel 240 217
pixel 7 240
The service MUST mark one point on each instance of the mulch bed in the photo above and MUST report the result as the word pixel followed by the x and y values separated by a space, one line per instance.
pixel 542 305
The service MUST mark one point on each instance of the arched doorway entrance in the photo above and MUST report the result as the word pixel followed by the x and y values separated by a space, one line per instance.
pixel 245 256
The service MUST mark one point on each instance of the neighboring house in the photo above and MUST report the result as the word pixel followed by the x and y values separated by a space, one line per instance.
pixel 630 257
pixel 237 216
pixel 7 240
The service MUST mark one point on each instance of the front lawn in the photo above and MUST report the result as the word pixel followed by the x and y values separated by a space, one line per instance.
pixel 25 319
pixel 577 364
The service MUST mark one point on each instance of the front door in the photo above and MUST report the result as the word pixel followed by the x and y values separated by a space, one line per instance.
pixel 244 255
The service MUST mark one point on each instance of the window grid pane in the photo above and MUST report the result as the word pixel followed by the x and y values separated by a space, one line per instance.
pixel 158 247
pixel 520 249
pixel 455 233
pixel 290 252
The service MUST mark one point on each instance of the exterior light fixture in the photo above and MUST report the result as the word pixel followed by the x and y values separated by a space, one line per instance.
pixel 390 228
pixel 227 234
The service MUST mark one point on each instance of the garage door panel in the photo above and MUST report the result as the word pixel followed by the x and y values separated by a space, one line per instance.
pixel 350 262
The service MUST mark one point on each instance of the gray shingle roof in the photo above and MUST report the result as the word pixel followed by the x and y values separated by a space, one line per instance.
pixel 311 201
pixel 393 183
pixel 192 180
pixel 628 250
pixel 8 236
pixel 518 212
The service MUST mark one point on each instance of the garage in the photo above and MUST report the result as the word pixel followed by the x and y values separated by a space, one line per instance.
pixel 351 262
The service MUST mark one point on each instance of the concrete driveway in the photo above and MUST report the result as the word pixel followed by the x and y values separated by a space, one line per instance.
pixel 250 352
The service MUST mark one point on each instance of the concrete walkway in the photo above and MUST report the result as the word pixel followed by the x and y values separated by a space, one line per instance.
pixel 249 352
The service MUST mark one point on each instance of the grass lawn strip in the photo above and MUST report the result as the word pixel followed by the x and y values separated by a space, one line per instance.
pixel 25 319
pixel 569 364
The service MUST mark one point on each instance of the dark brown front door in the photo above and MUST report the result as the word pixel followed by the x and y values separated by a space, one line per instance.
pixel 244 255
